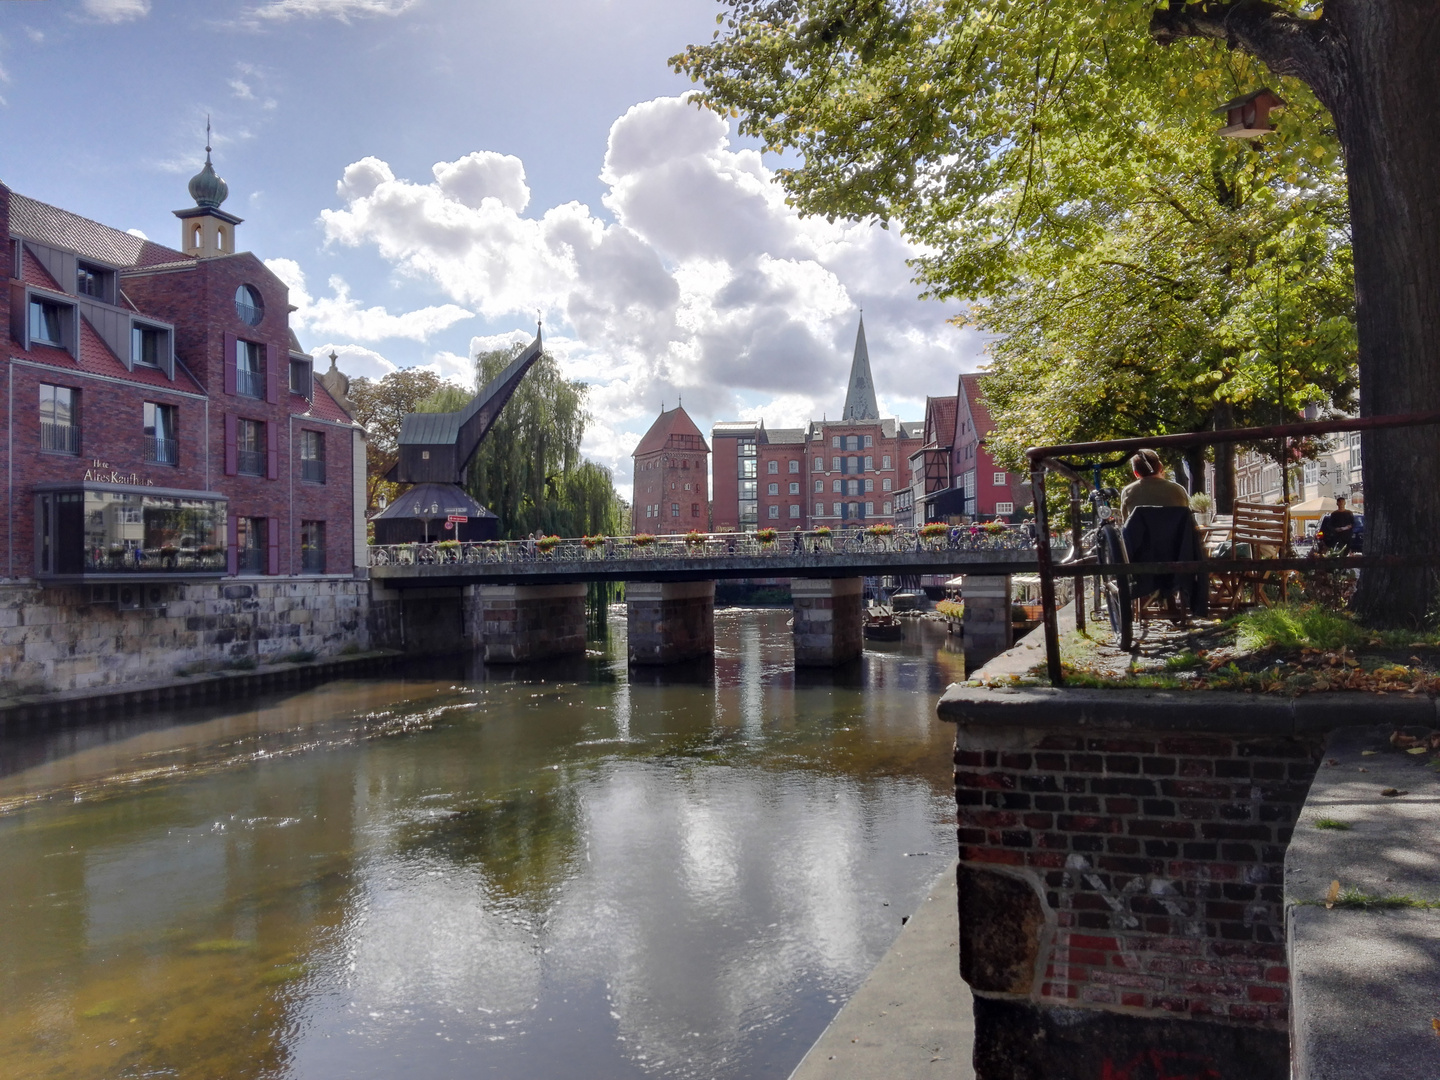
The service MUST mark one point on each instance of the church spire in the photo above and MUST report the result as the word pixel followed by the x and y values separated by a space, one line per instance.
pixel 860 403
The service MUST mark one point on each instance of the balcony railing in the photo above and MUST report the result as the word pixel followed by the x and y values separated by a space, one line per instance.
pixel 250 560
pixel 250 462
pixel 60 438
pixel 312 559
pixel 312 470
pixel 249 383
pixel 161 451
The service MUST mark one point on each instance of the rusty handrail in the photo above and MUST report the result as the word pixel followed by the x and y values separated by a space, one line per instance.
pixel 1046 458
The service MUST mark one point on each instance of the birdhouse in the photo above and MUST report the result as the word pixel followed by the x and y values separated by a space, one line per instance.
pixel 1249 116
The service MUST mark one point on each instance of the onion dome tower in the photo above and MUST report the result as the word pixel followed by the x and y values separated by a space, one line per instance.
pixel 205 230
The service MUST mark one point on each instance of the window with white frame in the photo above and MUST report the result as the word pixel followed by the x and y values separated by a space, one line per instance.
pixel 1354 455
pixel 772 467
pixel 837 486
pixel 835 441
pixel 774 511
pixel 869 507
pixel 794 510
pixel 869 442
pixel 795 465
pixel 834 464
pixel 1312 473
pixel 1004 508
pixel 772 489
pixel 869 485
pixel 885 461
pixel 795 488
pixel 889 508
pixel 836 507
pixel 885 484
pixel 819 464
pixel 869 461
pixel 1001 479
pixel 819 486
pixel 819 509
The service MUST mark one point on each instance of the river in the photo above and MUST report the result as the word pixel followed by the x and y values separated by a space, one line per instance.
pixel 559 870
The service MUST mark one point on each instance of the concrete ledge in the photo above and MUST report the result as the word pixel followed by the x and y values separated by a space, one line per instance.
pixel 1365 982
pixel 1214 712
pixel 80 706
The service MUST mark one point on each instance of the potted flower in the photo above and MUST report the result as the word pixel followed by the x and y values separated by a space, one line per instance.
pixel 933 530
pixel 643 540
pixel 1202 505
pixel 590 543
pixel 995 528
pixel 694 539
pixel 766 536
pixel 547 544
pixel 822 531
pixel 882 529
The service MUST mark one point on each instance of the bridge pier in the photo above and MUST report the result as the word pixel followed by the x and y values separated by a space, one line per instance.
pixel 669 622
pixel 988 629
pixel 519 623
pixel 829 621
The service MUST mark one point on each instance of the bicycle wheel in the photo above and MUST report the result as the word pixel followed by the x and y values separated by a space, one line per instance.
pixel 1110 550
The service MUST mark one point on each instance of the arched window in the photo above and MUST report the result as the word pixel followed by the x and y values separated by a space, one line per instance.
pixel 249 306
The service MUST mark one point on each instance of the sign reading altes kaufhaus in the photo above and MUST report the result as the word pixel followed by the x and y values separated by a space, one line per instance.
pixel 101 473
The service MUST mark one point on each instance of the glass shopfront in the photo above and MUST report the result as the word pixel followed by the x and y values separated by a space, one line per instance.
pixel 96 532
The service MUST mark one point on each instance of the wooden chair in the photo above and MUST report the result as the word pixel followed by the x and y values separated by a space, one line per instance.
pixel 1257 531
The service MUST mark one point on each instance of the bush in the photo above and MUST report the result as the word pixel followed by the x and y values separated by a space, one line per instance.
pixel 766 536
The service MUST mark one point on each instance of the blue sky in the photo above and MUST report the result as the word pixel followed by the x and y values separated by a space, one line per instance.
pixel 428 173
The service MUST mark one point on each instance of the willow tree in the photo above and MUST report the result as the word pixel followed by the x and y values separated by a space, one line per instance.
pixel 982 125
pixel 529 471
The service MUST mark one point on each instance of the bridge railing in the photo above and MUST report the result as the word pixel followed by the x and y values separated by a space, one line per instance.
pixel 679 548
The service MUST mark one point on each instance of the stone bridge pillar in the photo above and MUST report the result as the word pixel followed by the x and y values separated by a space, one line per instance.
pixel 988 629
pixel 519 623
pixel 668 622
pixel 828 620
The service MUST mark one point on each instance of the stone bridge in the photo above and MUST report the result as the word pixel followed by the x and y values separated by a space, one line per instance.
pixel 525 600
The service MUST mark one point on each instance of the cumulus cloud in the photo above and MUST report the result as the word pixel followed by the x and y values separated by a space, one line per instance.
pixel 116 11
pixel 340 314
pixel 699 281
pixel 344 10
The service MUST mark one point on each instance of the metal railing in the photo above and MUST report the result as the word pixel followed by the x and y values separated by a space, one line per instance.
pixel 250 462
pixel 679 549
pixel 1045 459
pixel 249 383
pixel 60 438
pixel 161 451
pixel 312 470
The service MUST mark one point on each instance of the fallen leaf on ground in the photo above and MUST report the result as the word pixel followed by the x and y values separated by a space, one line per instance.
pixel 1333 894
pixel 1368 753
pixel 1391 792
pixel 1418 750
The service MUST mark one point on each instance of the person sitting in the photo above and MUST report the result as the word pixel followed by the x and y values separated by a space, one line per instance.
pixel 1337 529
pixel 1150 487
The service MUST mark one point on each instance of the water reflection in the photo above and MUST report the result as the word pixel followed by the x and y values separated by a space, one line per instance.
pixel 511 873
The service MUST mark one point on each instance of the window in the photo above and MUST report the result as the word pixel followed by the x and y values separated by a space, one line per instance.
pixel 772 467
pixel 249 369
pixel 885 484
pixel 835 441
pixel 694 510
pixel 148 345
pixel 834 464
pixel 836 507
pixel 160 442
pixel 852 487
pixel 1354 455
pixel 869 463
pixel 837 486
pixel 312 456
pixel 249 306
pixel 251 542
pixel 794 489
pixel 819 509
pixel 869 485
pixel 794 510
pixel 1004 508
pixel 1312 473
pixel 773 511
pixel 819 486
pixel 302 378
pixel 819 464
pixel 889 508
pixel 59 419
pixel 869 509
pixel 772 489
pixel 852 465
pixel 885 462
pixel 94 281
pixel 113 532
pixel 312 546
pixel 250 447
pixel 1001 479
pixel 852 442
pixel 48 322
pixel 795 466
pixel 869 442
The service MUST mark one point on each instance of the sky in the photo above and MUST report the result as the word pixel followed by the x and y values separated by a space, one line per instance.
pixel 429 175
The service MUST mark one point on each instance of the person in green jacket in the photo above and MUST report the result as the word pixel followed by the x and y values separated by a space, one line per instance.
pixel 1150 487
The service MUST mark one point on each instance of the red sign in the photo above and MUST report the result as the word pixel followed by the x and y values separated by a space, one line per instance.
pixel 449 524
pixel 456 519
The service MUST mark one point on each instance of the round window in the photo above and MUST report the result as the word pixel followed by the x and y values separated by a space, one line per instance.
pixel 249 306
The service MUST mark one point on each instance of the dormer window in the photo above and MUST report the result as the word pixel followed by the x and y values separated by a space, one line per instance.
pixel 94 281
pixel 145 345
pixel 47 322
pixel 249 306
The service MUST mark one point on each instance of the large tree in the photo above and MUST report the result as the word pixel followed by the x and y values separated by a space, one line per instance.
pixel 380 407
pixel 981 126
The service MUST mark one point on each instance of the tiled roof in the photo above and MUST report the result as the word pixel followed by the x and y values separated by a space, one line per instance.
pixel 940 420
pixel 785 435
pixel 912 429
pixel 97 359
pixel 736 427
pixel 970 387
pixel 667 425
pixel 35 274
pixel 323 406
pixel 46 224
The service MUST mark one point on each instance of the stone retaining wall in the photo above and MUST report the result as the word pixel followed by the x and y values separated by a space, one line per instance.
pixel 56 639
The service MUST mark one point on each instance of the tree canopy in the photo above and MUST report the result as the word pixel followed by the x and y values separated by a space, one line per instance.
pixel 381 406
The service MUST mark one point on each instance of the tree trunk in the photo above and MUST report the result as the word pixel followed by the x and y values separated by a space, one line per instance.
pixel 1195 466
pixel 1224 494
pixel 1389 124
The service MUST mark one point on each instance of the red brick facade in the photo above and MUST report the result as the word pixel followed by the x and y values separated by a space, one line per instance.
pixel 197 297
pixel 1160 858
pixel 670 477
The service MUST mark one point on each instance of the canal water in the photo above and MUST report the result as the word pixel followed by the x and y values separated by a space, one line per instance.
pixel 568 870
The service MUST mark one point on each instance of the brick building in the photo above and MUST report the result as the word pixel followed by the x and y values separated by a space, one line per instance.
pixel 955 477
pixel 840 473
pixel 162 422
pixel 670 469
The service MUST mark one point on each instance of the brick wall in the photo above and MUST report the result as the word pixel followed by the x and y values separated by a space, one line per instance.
pixel 1160 860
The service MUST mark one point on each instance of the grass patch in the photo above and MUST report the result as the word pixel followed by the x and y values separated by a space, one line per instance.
pixel 1354 898
pixel 244 663
pixel 1185 661
pixel 1331 823
pixel 1134 681
pixel 1297 627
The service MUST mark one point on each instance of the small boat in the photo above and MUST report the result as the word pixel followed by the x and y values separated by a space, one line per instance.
pixel 882 625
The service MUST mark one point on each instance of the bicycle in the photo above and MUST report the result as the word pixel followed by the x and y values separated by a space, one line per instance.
pixel 1102 545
